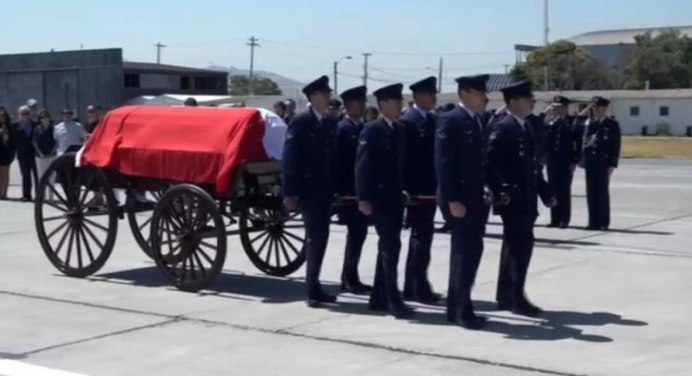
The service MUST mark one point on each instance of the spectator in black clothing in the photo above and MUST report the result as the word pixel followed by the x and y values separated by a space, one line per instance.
pixel 335 109
pixel 24 140
pixel 44 144
pixel 94 115
pixel 280 109
pixel 7 151
pixel 290 110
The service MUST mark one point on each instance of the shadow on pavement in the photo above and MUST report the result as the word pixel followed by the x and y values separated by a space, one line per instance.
pixel 10 356
pixel 541 241
pixel 553 326
pixel 227 285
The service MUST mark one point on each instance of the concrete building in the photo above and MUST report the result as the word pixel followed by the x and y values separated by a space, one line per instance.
pixel 613 48
pixel 76 79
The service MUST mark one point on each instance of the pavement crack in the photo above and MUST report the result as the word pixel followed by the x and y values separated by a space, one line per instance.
pixel 102 336
pixel 172 319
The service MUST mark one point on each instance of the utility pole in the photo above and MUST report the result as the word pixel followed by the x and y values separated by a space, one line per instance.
pixel 439 78
pixel 546 42
pixel 253 43
pixel 159 46
pixel 336 73
pixel 366 55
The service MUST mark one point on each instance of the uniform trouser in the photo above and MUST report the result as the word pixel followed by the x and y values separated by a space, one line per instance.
pixel 27 166
pixel 317 221
pixel 42 165
pixel 560 179
pixel 517 249
pixel 465 257
pixel 597 194
pixel 421 220
pixel 357 232
pixel 388 223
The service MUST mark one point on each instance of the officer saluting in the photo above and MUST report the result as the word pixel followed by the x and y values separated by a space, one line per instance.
pixel 459 155
pixel 306 179
pixel 602 139
pixel 513 174
pixel 419 180
pixel 379 189
pixel 345 165
pixel 563 157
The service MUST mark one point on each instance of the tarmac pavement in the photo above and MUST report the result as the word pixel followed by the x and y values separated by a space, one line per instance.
pixel 617 304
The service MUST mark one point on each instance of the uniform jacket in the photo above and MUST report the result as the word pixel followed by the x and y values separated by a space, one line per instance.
pixel 602 142
pixel 512 168
pixel 562 141
pixel 348 133
pixel 459 158
pixel 419 148
pixel 379 164
pixel 307 158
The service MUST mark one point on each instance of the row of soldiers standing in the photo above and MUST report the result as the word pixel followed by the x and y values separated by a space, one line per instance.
pixel 396 170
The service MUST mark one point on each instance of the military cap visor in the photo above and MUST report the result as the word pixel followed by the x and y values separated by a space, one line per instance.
pixel 518 90
pixel 428 85
pixel 320 85
pixel 560 100
pixel 478 82
pixel 390 92
pixel 359 93
pixel 600 102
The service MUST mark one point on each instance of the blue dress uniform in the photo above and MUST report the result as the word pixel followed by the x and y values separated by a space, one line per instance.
pixel 345 166
pixel 459 158
pixel 513 170
pixel 307 175
pixel 561 155
pixel 379 181
pixel 419 180
pixel 602 140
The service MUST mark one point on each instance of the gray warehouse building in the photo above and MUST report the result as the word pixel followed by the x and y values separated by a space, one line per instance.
pixel 76 79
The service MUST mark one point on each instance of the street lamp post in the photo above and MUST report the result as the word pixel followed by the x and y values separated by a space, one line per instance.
pixel 336 73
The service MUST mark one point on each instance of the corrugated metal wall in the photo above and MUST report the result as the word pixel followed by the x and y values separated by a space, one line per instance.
pixel 58 80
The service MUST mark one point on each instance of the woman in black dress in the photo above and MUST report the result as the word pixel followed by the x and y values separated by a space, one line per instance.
pixel 7 151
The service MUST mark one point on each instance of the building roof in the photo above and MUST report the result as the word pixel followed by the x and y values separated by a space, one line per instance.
pixel 499 81
pixel 622 36
pixel 167 68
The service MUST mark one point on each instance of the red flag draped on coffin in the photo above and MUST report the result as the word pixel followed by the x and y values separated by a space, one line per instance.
pixel 184 144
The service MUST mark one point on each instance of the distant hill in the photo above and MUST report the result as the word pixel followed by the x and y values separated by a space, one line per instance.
pixel 288 86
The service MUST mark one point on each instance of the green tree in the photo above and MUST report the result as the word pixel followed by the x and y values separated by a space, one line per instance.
pixel 570 68
pixel 665 61
pixel 240 86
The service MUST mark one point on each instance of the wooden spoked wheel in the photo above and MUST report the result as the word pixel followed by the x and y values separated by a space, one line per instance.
pixel 188 238
pixel 76 217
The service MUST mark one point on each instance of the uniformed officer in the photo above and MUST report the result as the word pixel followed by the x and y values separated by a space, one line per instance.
pixel 602 139
pixel 349 130
pixel 307 181
pixel 420 181
pixel 379 189
pixel 459 157
pixel 513 174
pixel 562 158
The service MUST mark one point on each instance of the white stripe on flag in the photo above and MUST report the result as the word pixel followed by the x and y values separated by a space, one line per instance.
pixel 13 368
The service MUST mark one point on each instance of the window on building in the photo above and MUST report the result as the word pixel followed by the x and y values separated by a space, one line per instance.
pixel 132 80
pixel 634 111
pixel 185 82
pixel 664 111
pixel 208 83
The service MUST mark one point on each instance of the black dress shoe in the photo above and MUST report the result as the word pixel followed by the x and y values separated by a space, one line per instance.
pixel 471 323
pixel 26 199
pixel 378 306
pixel 527 309
pixel 401 311
pixel 505 306
pixel 553 225
pixel 356 288
pixel 429 299
pixel 592 228
pixel 315 300
pixel 564 226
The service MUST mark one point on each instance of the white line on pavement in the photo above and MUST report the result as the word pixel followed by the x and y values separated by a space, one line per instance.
pixel 14 368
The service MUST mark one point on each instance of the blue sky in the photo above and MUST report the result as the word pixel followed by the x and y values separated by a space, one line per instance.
pixel 301 39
